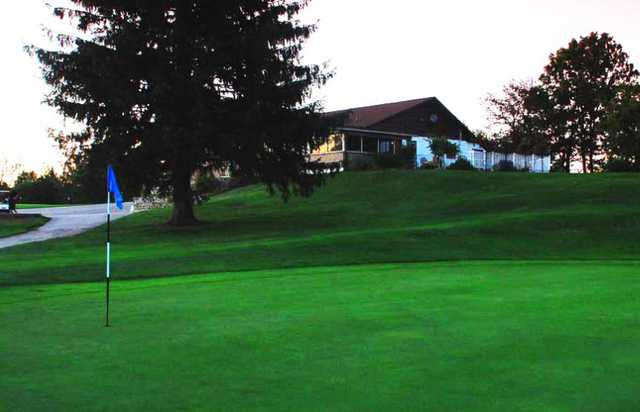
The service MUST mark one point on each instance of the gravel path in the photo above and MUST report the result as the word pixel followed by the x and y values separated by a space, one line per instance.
pixel 65 221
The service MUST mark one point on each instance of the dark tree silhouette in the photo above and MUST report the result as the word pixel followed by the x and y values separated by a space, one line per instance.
pixel 519 120
pixel 579 82
pixel 166 87
pixel 563 113
pixel 623 125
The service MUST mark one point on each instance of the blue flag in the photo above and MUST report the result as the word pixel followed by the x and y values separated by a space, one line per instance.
pixel 112 187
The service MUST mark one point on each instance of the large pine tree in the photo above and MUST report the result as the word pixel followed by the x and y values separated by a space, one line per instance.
pixel 166 87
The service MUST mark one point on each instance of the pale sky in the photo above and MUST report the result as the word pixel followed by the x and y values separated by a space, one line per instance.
pixel 382 51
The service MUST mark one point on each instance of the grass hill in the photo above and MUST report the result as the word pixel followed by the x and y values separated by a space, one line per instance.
pixel 14 225
pixel 342 302
pixel 358 218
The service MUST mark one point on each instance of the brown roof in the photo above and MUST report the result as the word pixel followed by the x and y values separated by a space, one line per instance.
pixel 363 117
pixel 406 117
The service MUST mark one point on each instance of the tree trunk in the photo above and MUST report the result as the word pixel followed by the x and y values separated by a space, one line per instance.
pixel 563 162
pixel 182 214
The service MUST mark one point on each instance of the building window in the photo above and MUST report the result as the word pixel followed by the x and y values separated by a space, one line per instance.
pixel 386 146
pixel 370 144
pixel 354 143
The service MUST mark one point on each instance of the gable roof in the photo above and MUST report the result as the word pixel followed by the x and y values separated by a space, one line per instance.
pixel 407 117
pixel 367 116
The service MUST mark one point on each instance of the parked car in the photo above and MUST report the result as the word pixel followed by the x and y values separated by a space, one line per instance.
pixel 4 201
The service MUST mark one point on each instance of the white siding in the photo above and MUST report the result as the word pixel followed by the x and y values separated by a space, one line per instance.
pixel 467 151
pixel 480 158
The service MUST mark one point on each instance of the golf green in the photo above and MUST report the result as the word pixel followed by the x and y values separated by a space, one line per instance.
pixel 467 336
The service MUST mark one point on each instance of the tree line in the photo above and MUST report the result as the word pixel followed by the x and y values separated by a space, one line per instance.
pixel 584 109
pixel 79 187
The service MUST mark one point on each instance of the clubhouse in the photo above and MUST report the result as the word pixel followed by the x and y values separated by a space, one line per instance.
pixel 365 132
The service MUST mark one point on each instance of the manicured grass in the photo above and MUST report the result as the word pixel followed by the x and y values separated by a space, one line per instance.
pixel 472 336
pixel 368 217
pixel 37 206
pixel 536 310
pixel 11 226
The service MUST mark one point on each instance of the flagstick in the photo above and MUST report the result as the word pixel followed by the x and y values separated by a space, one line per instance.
pixel 108 252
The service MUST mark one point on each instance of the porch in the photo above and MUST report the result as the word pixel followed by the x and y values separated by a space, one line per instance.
pixel 353 148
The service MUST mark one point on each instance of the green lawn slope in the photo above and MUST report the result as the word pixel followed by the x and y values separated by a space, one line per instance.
pixel 37 206
pixel 12 225
pixel 358 218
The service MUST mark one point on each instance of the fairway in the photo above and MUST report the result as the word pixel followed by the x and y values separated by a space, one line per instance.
pixel 367 217
pixel 512 336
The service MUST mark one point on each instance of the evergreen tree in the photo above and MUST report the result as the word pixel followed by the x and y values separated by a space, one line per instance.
pixel 166 87
pixel 26 177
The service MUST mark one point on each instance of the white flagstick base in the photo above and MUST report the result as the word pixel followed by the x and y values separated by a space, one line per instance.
pixel 108 271
pixel 108 260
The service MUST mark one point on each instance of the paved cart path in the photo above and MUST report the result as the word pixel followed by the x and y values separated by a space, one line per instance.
pixel 65 221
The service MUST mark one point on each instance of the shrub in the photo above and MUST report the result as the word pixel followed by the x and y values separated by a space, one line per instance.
pixel 441 148
pixel 208 183
pixel 360 166
pixel 505 166
pixel 619 166
pixel 356 163
pixel 404 159
pixel 389 161
pixel 508 166
pixel 557 166
pixel 429 165
pixel 461 164
pixel 47 189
